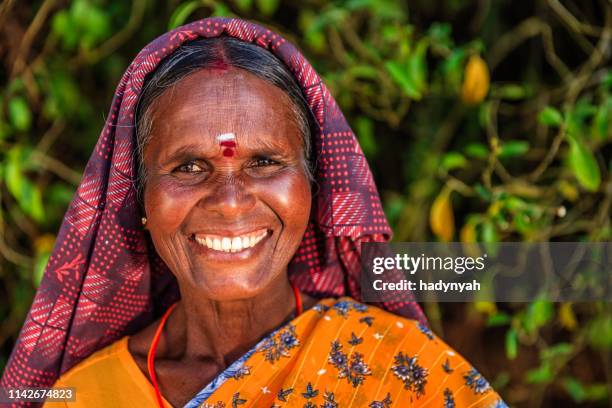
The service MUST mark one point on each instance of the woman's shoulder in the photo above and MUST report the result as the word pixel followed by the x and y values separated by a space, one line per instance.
pixel 392 330
pixel 407 352
pixel 352 316
pixel 111 358
pixel 109 377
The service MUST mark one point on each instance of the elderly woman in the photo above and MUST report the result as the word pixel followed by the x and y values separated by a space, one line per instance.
pixel 211 254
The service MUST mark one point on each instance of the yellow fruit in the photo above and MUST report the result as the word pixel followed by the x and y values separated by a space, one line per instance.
pixel 488 308
pixel 441 218
pixel 468 233
pixel 475 81
pixel 567 318
pixel 467 236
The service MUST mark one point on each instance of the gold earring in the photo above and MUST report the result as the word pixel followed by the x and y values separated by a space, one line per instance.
pixel 143 220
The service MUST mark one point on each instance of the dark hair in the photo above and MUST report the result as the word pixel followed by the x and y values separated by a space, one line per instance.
pixel 218 52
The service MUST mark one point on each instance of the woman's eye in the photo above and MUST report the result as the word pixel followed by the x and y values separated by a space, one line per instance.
pixel 263 167
pixel 190 167
pixel 263 162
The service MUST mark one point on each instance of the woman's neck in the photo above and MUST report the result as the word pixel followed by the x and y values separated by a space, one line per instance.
pixel 201 328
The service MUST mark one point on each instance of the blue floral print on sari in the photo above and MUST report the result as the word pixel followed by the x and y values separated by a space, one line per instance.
pixel 237 369
pixel 475 381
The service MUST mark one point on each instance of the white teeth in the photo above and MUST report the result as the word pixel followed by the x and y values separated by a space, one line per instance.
pixel 234 244
pixel 226 244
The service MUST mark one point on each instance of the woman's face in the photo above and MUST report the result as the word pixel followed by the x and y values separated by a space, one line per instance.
pixel 225 217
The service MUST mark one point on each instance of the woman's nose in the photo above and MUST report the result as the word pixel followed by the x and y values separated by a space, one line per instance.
pixel 229 198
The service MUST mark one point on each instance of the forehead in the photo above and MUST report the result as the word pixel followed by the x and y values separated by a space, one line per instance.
pixel 209 103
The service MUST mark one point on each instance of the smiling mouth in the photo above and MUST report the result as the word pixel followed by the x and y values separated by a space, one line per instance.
pixel 231 244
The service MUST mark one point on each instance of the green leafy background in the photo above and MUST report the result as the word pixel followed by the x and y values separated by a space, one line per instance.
pixel 531 162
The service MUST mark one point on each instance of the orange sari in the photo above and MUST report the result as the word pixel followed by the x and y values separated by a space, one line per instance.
pixel 340 353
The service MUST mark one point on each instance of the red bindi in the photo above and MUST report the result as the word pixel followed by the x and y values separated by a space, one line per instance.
pixel 229 147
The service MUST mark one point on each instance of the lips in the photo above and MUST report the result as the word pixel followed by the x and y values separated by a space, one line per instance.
pixel 223 243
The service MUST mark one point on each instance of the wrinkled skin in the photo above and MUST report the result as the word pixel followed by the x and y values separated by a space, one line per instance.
pixel 228 300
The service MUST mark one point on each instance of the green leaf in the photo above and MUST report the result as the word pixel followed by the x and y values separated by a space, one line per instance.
pixel 558 350
pixel 452 68
pixel 267 7
pixel 498 319
pixel 440 34
pixel 511 344
pixel 96 27
pixel 575 389
pixel 182 13
pixel 477 150
pixel 512 92
pixel 35 208
pixel 19 113
pixel 390 33
pixel 597 392
pixel 316 40
pixel 580 113
pixel 63 98
pixel 358 4
pixel 550 116
pixel 12 172
pixel 417 66
pixel 382 9
pixel 221 10
pixel 542 374
pixel 583 109
pixel 362 71
pixel 63 26
pixel 484 114
pixel 399 74
pixel 584 165
pixel 599 333
pixel 453 160
pixel 483 192
pixel 513 148
pixel 79 11
pixel 523 222
pixel 488 232
pixel 60 23
pixel 602 122
pixel 244 5
pixel 513 203
pixel 393 207
pixel 39 267
pixel 16 86
pixel 538 313
pixel 330 17
pixel 365 134
pixel 488 235
pixel 27 194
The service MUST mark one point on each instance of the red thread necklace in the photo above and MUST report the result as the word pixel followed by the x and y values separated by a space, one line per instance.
pixel 160 327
